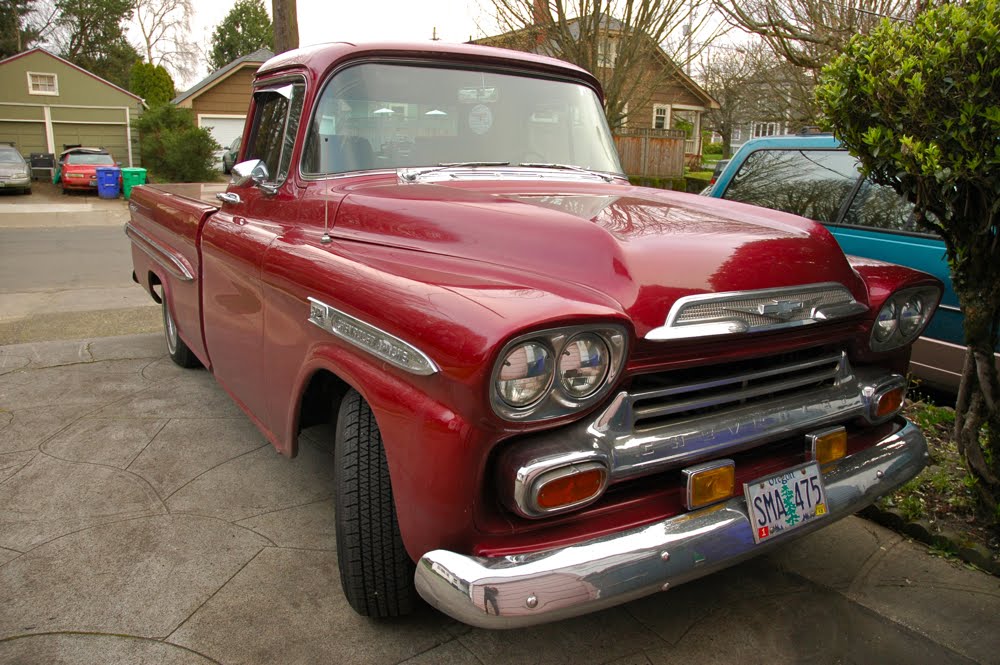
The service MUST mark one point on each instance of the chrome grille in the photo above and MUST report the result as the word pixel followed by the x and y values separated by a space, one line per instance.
pixel 674 397
pixel 739 312
pixel 800 306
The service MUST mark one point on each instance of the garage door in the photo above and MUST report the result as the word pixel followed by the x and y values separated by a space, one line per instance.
pixel 109 137
pixel 27 137
pixel 223 130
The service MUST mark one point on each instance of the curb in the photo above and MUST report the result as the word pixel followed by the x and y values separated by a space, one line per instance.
pixel 922 531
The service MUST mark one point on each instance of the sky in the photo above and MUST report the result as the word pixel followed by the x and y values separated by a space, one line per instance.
pixel 369 20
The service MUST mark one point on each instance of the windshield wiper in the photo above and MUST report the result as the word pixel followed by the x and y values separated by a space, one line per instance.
pixel 410 176
pixel 566 167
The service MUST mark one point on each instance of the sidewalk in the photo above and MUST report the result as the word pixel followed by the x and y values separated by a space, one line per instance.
pixel 144 519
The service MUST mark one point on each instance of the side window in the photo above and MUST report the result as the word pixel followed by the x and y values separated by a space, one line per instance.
pixel 810 183
pixel 276 121
pixel 880 207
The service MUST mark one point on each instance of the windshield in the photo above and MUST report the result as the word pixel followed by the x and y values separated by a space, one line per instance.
pixel 8 156
pixel 90 159
pixel 378 116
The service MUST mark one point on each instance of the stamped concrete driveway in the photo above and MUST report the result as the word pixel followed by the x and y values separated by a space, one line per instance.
pixel 144 520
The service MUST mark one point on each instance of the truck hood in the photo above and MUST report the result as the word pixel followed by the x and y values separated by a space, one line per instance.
pixel 642 248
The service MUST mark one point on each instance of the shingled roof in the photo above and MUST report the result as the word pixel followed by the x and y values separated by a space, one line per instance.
pixel 259 56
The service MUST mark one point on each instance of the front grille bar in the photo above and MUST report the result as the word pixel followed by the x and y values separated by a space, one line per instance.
pixel 831 367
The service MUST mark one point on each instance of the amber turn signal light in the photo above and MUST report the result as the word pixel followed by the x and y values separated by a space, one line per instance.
pixel 890 402
pixel 828 445
pixel 710 482
pixel 569 486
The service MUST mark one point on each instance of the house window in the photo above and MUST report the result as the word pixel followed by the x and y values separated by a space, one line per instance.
pixel 607 52
pixel 660 114
pixel 42 84
pixel 737 135
pixel 766 129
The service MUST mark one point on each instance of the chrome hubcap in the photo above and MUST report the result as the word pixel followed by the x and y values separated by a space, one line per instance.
pixel 170 329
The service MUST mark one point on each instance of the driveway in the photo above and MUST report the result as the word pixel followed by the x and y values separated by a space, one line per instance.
pixel 143 519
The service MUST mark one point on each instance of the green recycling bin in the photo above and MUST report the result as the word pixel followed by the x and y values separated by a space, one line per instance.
pixel 132 177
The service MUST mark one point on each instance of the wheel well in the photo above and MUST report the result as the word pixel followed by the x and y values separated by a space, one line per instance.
pixel 154 281
pixel 321 399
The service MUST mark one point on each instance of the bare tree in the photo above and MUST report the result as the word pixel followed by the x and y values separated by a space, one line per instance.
pixel 286 25
pixel 616 40
pixel 808 33
pixel 165 26
pixel 751 84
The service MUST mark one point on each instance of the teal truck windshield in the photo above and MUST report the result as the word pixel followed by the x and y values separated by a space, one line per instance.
pixel 377 116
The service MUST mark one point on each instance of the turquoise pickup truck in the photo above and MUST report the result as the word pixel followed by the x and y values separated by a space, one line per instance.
pixel 814 176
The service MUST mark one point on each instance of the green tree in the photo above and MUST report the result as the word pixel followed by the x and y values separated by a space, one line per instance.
pixel 246 28
pixel 16 31
pixel 173 148
pixel 920 105
pixel 152 83
pixel 91 34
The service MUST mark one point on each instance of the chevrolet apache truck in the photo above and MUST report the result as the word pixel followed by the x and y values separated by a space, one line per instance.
pixel 551 391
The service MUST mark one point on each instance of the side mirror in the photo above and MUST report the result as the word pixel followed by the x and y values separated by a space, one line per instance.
pixel 253 170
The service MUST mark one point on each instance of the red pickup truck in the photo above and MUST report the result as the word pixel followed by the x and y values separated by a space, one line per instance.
pixel 552 392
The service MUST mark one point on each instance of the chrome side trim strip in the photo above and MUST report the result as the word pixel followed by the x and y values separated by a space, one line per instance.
pixel 530 589
pixel 372 339
pixel 160 254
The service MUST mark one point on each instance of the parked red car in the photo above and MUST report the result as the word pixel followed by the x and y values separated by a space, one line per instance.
pixel 78 167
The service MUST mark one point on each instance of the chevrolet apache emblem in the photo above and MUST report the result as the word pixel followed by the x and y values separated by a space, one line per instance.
pixel 779 310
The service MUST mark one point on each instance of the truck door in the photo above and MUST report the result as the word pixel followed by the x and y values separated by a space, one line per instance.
pixel 233 244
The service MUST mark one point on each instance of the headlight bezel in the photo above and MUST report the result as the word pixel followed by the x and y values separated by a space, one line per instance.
pixel 555 400
pixel 929 296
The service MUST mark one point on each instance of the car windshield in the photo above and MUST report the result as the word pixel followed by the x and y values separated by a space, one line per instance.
pixel 9 156
pixel 91 159
pixel 377 116
pixel 810 183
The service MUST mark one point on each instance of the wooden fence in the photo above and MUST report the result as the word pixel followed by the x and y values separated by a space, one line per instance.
pixel 652 153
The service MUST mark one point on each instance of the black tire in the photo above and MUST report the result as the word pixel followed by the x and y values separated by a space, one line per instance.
pixel 178 350
pixel 375 570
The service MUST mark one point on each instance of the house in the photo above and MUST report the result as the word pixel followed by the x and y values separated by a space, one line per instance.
pixel 220 100
pixel 666 98
pixel 49 103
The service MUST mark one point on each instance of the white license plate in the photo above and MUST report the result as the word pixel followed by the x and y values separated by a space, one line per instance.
pixel 785 501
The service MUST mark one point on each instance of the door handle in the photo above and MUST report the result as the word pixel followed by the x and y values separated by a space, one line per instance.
pixel 228 197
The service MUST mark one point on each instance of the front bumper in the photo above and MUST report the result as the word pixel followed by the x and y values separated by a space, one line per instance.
pixel 15 183
pixel 523 590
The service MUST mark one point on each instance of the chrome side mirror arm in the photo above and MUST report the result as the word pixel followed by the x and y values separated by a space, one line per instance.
pixel 255 171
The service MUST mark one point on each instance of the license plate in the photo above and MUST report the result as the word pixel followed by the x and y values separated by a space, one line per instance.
pixel 785 501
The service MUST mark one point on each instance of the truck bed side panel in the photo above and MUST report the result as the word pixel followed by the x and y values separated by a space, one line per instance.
pixel 165 226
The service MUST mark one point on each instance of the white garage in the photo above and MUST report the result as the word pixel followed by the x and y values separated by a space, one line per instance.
pixel 224 129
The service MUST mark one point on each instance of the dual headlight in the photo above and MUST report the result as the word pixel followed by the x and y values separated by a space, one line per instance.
pixel 554 372
pixel 903 317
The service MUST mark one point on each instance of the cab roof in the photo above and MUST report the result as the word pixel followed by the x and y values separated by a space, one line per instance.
pixel 321 58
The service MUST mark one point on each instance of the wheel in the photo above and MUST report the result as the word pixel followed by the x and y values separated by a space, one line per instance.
pixel 375 570
pixel 225 167
pixel 178 350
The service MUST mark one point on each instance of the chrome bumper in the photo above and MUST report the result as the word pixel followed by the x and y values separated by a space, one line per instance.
pixel 523 590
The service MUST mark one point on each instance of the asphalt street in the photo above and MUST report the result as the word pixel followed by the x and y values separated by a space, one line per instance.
pixel 65 269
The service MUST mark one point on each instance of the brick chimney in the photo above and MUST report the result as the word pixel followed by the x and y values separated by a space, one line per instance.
pixel 541 16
